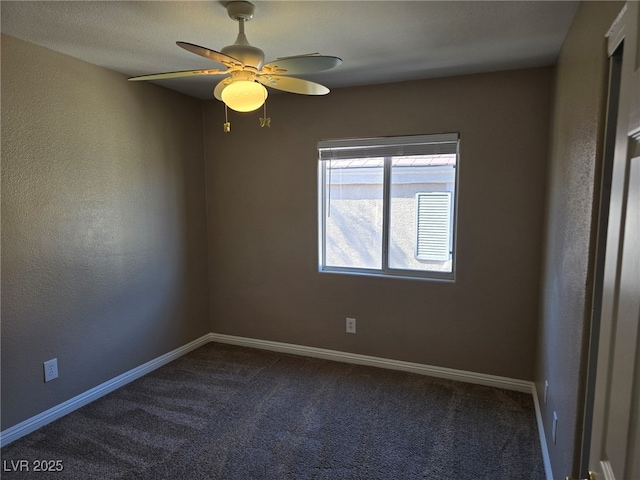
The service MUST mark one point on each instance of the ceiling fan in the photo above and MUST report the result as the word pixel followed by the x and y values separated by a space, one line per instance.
pixel 246 74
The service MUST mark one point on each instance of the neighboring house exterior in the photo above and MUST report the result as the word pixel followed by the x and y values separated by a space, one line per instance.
pixel 419 240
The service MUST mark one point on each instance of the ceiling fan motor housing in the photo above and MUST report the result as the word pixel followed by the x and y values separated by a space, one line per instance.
pixel 241 49
pixel 247 54
pixel 246 73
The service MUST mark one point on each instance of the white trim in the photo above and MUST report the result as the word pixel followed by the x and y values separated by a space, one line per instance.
pixel 346 357
pixel 543 439
pixel 523 386
pixel 13 433
pixel 615 35
pixel 607 470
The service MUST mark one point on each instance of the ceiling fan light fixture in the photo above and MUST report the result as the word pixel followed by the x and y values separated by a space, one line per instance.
pixel 246 73
pixel 244 95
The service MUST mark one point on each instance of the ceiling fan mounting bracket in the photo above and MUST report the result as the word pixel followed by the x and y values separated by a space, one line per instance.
pixel 240 10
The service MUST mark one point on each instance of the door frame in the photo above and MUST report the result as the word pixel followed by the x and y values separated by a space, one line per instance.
pixel 623 123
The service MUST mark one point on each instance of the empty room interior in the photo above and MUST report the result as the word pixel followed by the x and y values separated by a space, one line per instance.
pixel 193 290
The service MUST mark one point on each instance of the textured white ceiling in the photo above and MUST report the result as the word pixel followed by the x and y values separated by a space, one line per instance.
pixel 379 41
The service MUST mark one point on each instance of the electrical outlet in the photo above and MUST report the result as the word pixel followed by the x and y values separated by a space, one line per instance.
pixel 351 325
pixel 554 428
pixel 50 369
pixel 546 390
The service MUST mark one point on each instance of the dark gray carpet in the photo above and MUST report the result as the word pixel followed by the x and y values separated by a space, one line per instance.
pixel 225 412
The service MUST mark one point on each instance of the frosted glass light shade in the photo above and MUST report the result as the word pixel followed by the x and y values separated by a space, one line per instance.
pixel 244 95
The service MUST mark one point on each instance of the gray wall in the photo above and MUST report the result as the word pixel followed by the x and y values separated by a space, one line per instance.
pixel 103 226
pixel 567 278
pixel 104 241
pixel 262 220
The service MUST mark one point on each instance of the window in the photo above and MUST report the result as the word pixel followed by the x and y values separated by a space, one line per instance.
pixel 387 205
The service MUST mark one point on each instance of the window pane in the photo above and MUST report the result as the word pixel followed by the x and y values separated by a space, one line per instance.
pixel 353 213
pixel 419 214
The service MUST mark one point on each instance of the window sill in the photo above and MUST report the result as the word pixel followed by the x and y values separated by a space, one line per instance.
pixel 446 278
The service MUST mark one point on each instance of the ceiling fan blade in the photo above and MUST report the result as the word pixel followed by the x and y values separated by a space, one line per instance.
pixel 292 85
pixel 217 92
pixel 183 73
pixel 301 64
pixel 211 54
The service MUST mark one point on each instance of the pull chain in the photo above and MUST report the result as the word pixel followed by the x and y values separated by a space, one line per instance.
pixel 266 121
pixel 227 125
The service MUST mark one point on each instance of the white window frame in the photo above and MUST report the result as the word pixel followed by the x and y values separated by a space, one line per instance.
pixel 387 147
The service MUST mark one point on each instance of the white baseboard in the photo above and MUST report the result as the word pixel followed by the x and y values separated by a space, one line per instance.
pixel 13 433
pixel 607 470
pixel 543 439
pixel 440 372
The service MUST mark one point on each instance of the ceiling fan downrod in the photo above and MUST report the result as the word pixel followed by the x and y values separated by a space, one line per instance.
pixel 241 48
